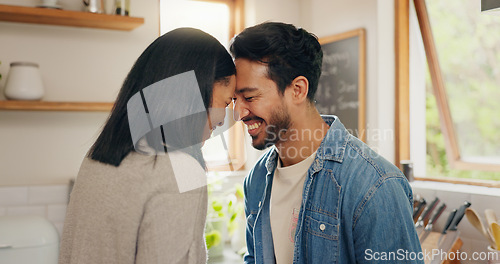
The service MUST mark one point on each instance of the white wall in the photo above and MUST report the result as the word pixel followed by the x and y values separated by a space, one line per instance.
pixel 418 127
pixel 77 64
pixel 258 11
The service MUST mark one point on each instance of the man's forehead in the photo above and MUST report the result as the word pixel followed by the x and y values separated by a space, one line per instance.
pixel 246 66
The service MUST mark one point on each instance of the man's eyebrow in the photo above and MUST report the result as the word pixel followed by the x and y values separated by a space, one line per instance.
pixel 244 90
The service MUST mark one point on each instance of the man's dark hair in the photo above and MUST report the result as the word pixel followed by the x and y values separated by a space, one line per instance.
pixel 288 51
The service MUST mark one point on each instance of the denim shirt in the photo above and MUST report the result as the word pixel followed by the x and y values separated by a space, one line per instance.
pixel 356 207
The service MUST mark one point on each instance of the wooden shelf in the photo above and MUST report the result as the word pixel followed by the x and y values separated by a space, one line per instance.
pixel 37 15
pixel 15 105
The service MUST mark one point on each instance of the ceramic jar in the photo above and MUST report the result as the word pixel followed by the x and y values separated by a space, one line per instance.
pixel 24 82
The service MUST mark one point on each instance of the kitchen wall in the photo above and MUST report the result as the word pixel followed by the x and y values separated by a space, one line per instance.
pixel 77 64
pixel 258 11
pixel 47 201
pixel 46 148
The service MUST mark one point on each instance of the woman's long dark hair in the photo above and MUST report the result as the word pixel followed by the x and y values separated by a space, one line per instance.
pixel 178 51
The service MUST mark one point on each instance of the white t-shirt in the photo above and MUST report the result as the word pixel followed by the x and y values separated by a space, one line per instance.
pixel 286 199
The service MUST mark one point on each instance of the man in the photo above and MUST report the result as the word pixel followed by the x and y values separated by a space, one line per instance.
pixel 319 195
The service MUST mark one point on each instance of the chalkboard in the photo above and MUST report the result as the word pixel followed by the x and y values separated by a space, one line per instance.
pixel 341 89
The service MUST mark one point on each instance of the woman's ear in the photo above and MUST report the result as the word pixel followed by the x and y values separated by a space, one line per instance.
pixel 299 89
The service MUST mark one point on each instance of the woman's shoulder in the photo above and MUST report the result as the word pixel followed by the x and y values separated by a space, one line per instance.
pixel 174 171
pixel 184 170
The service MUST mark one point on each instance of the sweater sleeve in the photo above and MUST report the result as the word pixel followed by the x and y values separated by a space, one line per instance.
pixel 172 229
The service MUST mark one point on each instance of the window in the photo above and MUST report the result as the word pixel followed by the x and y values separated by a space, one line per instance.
pixel 211 17
pixel 222 19
pixel 462 47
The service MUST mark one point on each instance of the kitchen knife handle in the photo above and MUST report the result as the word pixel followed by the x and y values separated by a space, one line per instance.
pixel 437 214
pixel 416 204
pixel 458 217
pixel 416 200
pixel 421 206
pixel 448 221
pixel 428 210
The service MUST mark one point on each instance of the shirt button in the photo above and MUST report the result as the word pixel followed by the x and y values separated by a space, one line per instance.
pixel 259 203
pixel 322 227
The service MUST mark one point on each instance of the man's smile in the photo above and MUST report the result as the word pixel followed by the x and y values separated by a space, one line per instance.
pixel 253 125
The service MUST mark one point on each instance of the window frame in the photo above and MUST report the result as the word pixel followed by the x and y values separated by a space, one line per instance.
pixel 236 141
pixel 236 148
pixel 402 113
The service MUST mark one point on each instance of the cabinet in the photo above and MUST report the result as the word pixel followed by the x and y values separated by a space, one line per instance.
pixel 34 15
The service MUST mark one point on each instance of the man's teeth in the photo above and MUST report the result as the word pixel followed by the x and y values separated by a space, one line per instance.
pixel 254 126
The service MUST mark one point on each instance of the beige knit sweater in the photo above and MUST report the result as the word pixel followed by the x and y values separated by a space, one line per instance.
pixel 135 213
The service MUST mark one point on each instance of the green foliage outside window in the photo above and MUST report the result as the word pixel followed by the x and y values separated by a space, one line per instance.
pixel 468 46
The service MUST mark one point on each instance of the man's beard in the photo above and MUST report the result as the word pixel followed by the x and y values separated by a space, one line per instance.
pixel 279 123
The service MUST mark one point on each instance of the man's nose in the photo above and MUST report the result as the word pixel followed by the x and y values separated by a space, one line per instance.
pixel 239 110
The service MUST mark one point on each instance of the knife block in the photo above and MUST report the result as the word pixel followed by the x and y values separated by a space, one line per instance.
pixel 431 243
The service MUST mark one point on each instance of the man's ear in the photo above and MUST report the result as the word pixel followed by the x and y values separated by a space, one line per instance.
pixel 299 89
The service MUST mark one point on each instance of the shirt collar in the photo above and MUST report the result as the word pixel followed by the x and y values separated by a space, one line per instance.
pixel 333 145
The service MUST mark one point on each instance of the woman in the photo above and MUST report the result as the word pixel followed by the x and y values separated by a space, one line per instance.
pixel 131 202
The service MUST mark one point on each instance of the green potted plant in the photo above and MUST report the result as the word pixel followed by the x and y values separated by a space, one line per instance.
pixel 224 216
pixel 215 229
pixel 236 219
